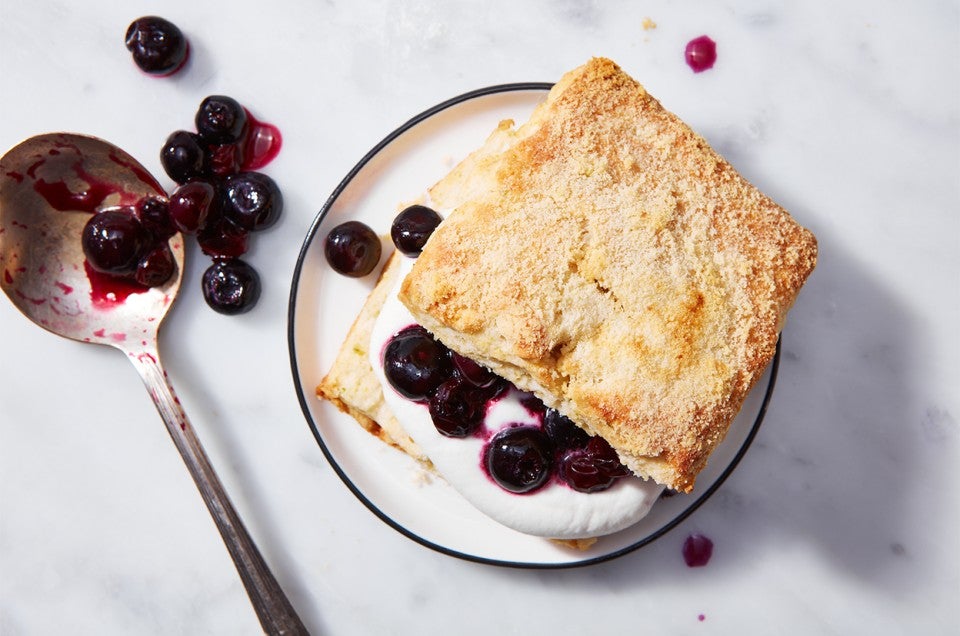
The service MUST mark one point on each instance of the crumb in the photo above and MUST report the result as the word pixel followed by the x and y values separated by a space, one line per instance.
pixel 649 24
pixel 422 477
pixel 576 544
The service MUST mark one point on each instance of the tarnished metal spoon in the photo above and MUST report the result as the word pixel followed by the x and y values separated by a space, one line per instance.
pixel 49 187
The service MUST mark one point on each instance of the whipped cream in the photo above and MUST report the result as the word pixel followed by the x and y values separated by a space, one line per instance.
pixel 554 510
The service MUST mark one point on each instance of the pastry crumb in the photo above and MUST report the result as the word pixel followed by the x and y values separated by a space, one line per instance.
pixel 575 544
pixel 421 477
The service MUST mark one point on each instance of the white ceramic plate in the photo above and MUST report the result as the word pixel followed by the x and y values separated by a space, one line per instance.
pixel 323 305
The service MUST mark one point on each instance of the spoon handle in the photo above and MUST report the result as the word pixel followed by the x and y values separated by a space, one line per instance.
pixel 273 608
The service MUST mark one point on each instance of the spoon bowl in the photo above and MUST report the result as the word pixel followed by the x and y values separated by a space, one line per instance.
pixel 49 187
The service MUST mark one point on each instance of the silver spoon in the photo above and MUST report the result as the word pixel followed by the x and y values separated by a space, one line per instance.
pixel 49 185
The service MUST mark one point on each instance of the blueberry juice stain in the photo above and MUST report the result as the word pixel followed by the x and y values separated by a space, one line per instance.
pixel 89 196
pixel 697 550
pixel 60 196
pixel 262 143
pixel 108 291
pixel 700 54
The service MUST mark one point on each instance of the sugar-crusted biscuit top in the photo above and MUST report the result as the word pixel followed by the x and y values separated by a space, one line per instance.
pixel 605 257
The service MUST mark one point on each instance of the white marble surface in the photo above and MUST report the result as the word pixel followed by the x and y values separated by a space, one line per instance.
pixel 843 517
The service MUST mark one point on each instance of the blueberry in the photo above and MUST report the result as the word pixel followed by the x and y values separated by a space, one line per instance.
pixel 157 45
pixel 190 205
pixel 223 160
pixel 457 408
pixel 473 372
pixel 412 227
pixel 352 249
pixel 415 364
pixel 252 200
pixel 231 286
pixel 182 157
pixel 113 242
pixel 221 120
pixel 563 432
pixel 519 459
pixel 154 215
pixel 592 468
pixel 220 237
pixel 156 267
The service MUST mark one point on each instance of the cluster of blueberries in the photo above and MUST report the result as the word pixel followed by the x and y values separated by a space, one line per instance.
pixel 220 198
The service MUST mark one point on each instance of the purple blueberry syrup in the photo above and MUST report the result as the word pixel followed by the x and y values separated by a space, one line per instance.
pixel 700 53
pixel 520 458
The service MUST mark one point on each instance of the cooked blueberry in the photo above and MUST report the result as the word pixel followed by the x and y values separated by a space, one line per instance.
pixel 563 432
pixel 113 242
pixel 154 215
pixel 415 364
pixel 182 157
pixel 231 286
pixel 473 372
pixel 412 227
pixel 534 405
pixel 221 120
pixel 190 205
pixel 221 237
pixel 519 459
pixel 223 160
pixel 457 408
pixel 592 468
pixel 158 46
pixel 156 267
pixel 352 249
pixel 252 200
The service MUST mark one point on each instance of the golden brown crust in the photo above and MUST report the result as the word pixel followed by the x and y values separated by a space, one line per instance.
pixel 605 257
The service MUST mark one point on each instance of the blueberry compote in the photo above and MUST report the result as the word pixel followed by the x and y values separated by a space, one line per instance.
pixel 519 458
pixel 129 243
pixel 221 198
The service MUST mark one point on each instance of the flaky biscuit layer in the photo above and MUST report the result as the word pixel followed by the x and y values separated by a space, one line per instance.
pixel 603 256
